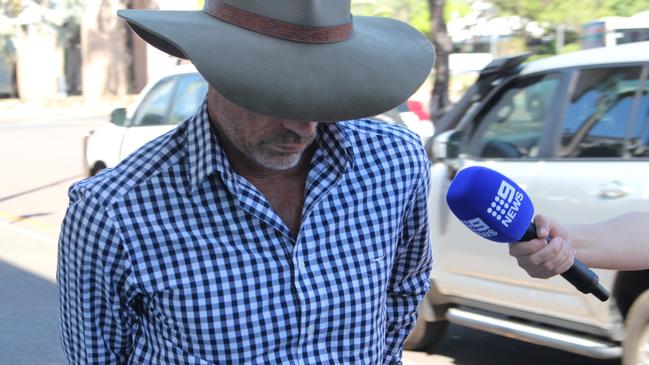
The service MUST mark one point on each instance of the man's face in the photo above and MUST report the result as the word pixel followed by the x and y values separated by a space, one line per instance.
pixel 274 143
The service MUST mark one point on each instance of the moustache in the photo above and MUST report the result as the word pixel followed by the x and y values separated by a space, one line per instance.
pixel 290 137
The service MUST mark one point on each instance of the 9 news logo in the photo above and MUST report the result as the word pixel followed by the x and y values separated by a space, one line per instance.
pixel 478 226
pixel 506 204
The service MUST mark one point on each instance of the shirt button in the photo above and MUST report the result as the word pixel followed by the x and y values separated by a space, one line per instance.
pixel 310 330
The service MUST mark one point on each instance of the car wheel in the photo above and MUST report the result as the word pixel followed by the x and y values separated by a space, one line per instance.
pixel 636 343
pixel 425 335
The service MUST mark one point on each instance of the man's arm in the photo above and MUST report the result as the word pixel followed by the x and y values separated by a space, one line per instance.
pixel 409 280
pixel 91 275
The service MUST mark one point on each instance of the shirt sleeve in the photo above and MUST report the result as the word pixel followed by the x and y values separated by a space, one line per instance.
pixel 409 279
pixel 92 274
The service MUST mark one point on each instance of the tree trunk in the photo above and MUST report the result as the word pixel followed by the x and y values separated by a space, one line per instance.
pixel 443 47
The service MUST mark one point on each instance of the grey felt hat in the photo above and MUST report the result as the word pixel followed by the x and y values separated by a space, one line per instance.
pixel 300 59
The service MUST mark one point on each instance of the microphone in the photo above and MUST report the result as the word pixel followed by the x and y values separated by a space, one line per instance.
pixel 496 208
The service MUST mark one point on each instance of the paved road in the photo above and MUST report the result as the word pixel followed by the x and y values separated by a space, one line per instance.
pixel 39 159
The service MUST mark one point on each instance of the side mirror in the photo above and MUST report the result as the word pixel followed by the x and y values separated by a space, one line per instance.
pixel 118 116
pixel 447 145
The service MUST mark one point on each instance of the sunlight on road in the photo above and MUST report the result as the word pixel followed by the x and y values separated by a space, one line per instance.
pixel 422 358
pixel 28 250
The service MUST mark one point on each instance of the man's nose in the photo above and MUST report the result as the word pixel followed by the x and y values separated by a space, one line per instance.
pixel 303 129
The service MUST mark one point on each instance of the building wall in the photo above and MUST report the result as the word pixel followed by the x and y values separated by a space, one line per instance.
pixel 114 61
pixel 39 64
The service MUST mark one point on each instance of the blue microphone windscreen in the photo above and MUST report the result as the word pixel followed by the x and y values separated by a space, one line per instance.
pixel 490 204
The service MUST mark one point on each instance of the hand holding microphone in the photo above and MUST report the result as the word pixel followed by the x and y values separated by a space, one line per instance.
pixel 549 254
pixel 496 208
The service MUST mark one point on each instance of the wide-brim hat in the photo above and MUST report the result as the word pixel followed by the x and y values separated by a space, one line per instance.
pixel 299 59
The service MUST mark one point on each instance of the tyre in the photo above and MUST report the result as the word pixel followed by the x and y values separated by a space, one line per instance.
pixel 636 343
pixel 425 335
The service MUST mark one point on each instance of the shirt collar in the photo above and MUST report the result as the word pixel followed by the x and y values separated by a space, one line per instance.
pixel 206 157
pixel 334 145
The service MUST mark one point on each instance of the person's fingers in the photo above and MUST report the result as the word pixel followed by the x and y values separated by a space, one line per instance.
pixel 526 248
pixel 532 270
pixel 551 258
pixel 570 260
pixel 542 224
pixel 548 227
pixel 542 259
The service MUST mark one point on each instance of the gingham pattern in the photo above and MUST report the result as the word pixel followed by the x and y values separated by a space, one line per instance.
pixel 173 258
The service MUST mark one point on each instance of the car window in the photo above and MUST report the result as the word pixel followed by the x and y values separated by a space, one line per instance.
pixel 189 96
pixel 155 106
pixel 599 112
pixel 511 125
pixel 639 143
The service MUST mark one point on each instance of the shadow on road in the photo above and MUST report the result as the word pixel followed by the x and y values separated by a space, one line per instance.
pixel 24 217
pixel 33 190
pixel 29 318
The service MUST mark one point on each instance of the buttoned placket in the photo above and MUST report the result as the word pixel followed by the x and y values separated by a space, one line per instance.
pixel 325 172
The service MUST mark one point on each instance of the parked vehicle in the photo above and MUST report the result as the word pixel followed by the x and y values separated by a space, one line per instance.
pixel 573 131
pixel 165 102
pixel 160 106
pixel 412 115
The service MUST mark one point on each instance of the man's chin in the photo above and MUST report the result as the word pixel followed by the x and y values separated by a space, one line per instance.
pixel 279 163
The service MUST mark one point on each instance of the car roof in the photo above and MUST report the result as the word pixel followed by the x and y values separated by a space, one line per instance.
pixel 625 53
pixel 183 68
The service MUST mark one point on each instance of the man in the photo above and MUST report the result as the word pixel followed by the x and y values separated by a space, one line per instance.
pixel 619 244
pixel 259 230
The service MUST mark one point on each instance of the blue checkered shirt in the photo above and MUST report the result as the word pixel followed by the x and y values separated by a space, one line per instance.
pixel 173 258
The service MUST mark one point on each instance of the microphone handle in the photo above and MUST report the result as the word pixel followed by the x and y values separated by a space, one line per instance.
pixel 579 275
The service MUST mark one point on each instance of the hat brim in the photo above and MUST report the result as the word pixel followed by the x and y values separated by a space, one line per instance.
pixel 379 67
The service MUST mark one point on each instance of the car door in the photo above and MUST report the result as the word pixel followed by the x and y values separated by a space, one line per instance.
pixel 588 168
pixel 150 119
pixel 169 102
pixel 582 170
pixel 508 134
pixel 600 167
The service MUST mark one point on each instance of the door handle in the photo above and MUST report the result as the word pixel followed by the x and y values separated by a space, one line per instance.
pixel 614 190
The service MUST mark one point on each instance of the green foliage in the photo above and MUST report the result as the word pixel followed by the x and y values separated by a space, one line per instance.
pixel 570 47
pixel 524 8
pixel 11 8
pixel 63 16
pixel 572 14
pixel 626 7
pixel 414 12
pixel 457 9
pixel 536 57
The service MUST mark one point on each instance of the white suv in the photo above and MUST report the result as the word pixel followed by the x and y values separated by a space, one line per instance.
pixel 573 131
